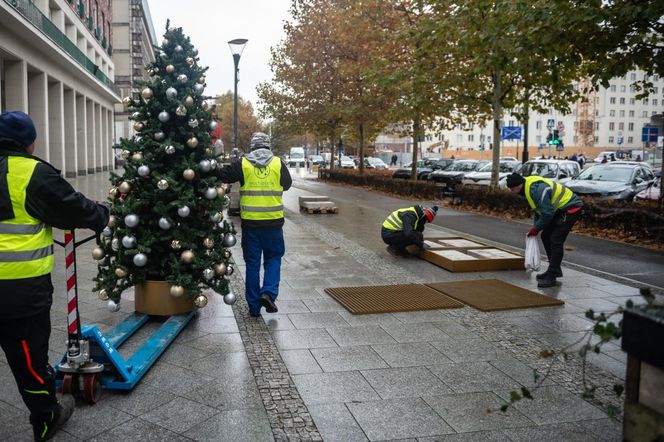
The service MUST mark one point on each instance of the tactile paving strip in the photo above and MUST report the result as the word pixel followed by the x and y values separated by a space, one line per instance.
pixel 391 298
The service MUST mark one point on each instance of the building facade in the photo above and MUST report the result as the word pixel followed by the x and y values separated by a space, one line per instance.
pixel 56 65
pixel 135 38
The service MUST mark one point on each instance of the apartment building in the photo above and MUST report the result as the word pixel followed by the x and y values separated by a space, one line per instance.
pixel 56 65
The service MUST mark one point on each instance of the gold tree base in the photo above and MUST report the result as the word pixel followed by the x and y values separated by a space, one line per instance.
pixel 154 298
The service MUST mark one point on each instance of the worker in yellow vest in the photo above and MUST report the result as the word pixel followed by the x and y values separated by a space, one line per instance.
pixel 556 210
pixel 402 230
pixel 263 178
pixel 33 198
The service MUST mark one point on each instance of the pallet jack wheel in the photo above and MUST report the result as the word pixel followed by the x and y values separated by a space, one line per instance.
pixel 68 384
pixel 91 388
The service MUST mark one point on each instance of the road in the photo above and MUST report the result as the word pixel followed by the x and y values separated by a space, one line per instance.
pixel 364 211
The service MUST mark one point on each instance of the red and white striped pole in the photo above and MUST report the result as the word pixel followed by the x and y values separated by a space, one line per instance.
pixel 73 325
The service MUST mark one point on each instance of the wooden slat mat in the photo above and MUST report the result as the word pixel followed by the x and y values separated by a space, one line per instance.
pixel 391 298
pixel 490 295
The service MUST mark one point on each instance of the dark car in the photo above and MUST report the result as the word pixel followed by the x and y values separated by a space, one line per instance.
pixel 453 174
pixel 440 164
pixel 424 168
pixel 316 160
pixel 616 180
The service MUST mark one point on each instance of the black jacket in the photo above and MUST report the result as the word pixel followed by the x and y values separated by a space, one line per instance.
pixel 51 199
pixel 409 231
pixel 232 173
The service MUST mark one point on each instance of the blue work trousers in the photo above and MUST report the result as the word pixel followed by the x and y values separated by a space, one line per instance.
pixel 270 244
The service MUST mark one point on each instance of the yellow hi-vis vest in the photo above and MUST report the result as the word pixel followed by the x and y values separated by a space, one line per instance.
pixel 560 195
pixel 26 243
pixel 260 195
pixel 394 222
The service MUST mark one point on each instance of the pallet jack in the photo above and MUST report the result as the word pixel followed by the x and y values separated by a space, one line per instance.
pixel 92 360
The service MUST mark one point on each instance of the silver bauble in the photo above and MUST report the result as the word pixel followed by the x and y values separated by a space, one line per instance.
pixel 107 232
pixel 140 259
pixel 177 291
pixel 182 78
pixel 147 93
pixel 213 164
pixel 124 187
pixel 120 272
pixel 194 51
pixel 162 184
pixel 135 115
pixel 171 93
pixel 187 256
pixel 184 211
pixel 115 244
pixel 159 136
pixel 164 42
pixel 218 147
pixel 163 55
pixel 204 165
pixel 230 269
pixel 198 88
pixel 176 244
pixel 112 306
pixel 228 254
pixel 208 274
pixel 178 48
pixel 103 296
pixel 170 68
pixel 170 150
pixel 205 105
pixel 192 142
pixel 190 61
pixel 164 116
pixel 201 301
pixel 188 174
pixel 164 223
pixel 128 241
pixel 213 125
pixel 201 79
pixel 97 253
pixel 131 220
pixel 229 240
pixel 210 193
pixel 143 170
pixel 215 217
pixel 193 123
pixel 230 298
pixel 220 269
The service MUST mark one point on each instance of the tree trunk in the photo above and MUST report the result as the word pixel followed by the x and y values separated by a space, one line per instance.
pixel 332 141
pixel 361 148
pixel 416 140
pixel 526 108
pixel 497 114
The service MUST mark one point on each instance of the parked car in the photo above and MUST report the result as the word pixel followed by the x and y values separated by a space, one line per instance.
pixel 483 176
pixel 374 163
pixel 652 193
pixel 346 163
pixel 560 171
pixel 601 155
pixel 454 173
pixel 317 160
pixel 423 166
pixel 617 180
pixel 508 159
pixel 439 164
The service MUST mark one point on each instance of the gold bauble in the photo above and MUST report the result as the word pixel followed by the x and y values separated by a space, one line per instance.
pixel 189 101
pixel 124 187
pixel 103 296
pixel 125 154
pixel 200 301
pixel 208 243
pixel 162 184
pixel 97 253
pixel 170 68
pixel 221 190
pixel 176 245
pixel 181 111
pixel 151 72
pixel 192 142
pixel 147 93
pixel 164 42
pixel 127 101
pixel 227 254
pixel 205 105
pixel 209 151
pixel 138 126
pixel 188 174
pixel 120 272
pixel 112 221
pixel 177 291
pixel 138 156
pixel 220 269
pixel 187 256
pixel 112 192
pixel 190 61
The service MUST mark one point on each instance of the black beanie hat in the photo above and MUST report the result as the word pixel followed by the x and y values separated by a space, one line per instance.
pixel 514 180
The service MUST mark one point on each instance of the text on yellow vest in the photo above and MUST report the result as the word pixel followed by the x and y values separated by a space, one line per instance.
pixel 261 193
pixel 394 222
pixel 560 195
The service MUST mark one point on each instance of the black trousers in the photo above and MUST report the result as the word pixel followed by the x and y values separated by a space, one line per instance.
pixel 554 236
pixel 399 241
pixel 25 343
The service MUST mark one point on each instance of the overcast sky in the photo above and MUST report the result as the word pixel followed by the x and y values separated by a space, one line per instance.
pixel 212 23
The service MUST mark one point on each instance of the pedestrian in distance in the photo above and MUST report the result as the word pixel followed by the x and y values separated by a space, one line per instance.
pixel 556 210
pixel 403 229
pixel 393 161
pixel 605 159
pixel 638 158
pixel 612 158
pixel 34 198
pixel 581 160
pixel 263 178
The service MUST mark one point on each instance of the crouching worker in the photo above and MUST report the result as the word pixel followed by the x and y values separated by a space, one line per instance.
pixel 402 230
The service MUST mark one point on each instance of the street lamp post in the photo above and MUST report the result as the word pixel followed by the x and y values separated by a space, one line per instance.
pixel 237 46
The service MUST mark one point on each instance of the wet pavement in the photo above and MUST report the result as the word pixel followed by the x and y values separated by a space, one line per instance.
pixel 314 371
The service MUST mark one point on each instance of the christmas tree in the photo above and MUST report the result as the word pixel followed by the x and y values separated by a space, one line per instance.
pixel 167 207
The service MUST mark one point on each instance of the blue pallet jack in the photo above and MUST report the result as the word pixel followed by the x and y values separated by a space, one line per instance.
pixel 92 360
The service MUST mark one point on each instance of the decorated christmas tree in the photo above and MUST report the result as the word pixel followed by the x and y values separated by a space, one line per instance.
pixel 167 222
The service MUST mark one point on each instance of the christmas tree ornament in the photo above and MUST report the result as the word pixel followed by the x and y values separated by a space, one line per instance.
pixel 170 68
pixel 159 136
pixel 155 69
pixel 135 115
pixel 127 101
pixel 170 150
pixel 213 164
pixel 112 192
pixel 209 151
pixel 177 291
pixel 227 200
pixel 112 221
pixel 201 301
pixel 182 78
pixel 205 105
pixel 213 125
pixel 164 223
pixel 181 111
pixel 125 154
pixel 176 244
pixel 147 93
pixel 140 259
pixel 162 184
pixel 115 244
pixel 172 29
pixel 194 51
pixel 131 220
pixel 184 210
pixel 128 241
pixel 143 170
pixel 227 254
pixel 198 88
pixel 120 272
pixel 192 142
pixel 138 126
pixel 178 48
pixel 230 298
pixel 124 187
pixel 112 306
pixel 210 193
pixel 204 165
pixel 164 116
pixel 208 243
pixel 163 55
pixel 107 232
pixel 193 123
pixel 229 240
pixel 164 42
pixel 218 147
pixel 163 82
pixel 137 156
pixel 97 253
pixel 189 101
pixel 103 296
pixel 151 72
pixel 201 79
pixel 190 61
pixel 188 174
pixel 220 269
pixel 215 217
pixel 171 93
pixel 221 190
pixel 229 269
pixel 187 256
pixel 208 274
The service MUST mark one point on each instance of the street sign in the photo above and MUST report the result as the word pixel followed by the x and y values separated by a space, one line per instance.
pixel 511 133
pixel 541 146
pixel 550 123
pixel 619 140
pixel 560 147
pixel 649 135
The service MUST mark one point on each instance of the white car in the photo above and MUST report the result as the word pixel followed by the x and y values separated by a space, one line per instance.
pixel 560 171
pixel 607 153
pixel 483 176
pixel 347 163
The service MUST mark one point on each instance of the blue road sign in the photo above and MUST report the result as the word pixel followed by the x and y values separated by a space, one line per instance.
pixel 649 134
pixel 541 146
pixel 560 147
pixel 619 140
pixel 550 123
pixel 511 133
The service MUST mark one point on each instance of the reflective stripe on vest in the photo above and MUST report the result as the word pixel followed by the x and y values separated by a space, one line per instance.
pixel 260 195
pixel 26 244
pixel 394 222
pixel 560 194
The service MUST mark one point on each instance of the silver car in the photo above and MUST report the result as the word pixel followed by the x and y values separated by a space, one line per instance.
pixel 616 180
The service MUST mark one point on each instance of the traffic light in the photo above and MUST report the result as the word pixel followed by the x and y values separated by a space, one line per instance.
pixel 549 139
pixel 555 140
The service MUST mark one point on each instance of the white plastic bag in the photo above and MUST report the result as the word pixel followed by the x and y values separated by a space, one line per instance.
pixel 532 260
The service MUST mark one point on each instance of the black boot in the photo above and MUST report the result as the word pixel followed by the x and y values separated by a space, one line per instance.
pixel 47 430
pixel 549 281
pixel 542 275
pixel 268 303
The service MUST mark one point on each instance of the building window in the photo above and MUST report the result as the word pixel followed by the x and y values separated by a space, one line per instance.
pixel 597 126
pixel 612 113
pixel 623 88
pixel 612 100
pixel 622 113
pixel 621 126
pixel 645 101
pixel 610 140
pixel 613 88
pixel 654 101
pixel 612 125
pixel 471 137
pixel 655 89
pixel 655 77
pixel 538 124
pixel 596 139
pixel 622 100
pixel 632 101
pixel 630 140
pixel 631 113
pixel 630 127
pixel 459 138
pixel 644 114
pixel 632 89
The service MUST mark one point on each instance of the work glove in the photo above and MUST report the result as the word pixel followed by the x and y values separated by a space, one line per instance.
pixel 533 231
